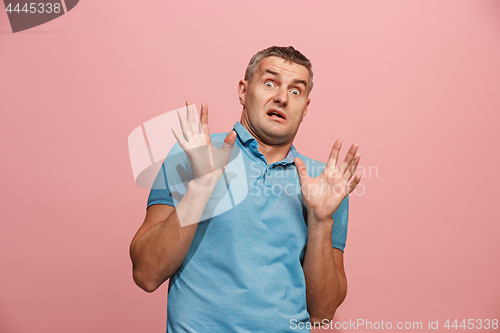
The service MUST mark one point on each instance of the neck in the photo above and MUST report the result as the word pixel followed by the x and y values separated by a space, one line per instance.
pixel 271 151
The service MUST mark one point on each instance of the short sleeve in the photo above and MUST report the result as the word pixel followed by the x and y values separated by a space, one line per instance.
pixel 339 230
pixel 171 181
pixel 160 191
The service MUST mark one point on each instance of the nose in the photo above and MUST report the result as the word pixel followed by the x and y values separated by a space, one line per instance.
pixel 281 97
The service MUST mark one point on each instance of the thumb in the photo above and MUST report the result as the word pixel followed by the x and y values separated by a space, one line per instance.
pixel 229 141
pixel 301 169
pixel 221 156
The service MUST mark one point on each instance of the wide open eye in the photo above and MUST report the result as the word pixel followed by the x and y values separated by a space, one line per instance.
pixel 296 92
pixel 269 84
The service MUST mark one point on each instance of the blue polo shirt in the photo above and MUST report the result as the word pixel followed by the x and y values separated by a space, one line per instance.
pixel 243 272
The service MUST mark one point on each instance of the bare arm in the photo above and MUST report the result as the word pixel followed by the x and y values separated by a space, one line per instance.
pixel 163 241
pixel 326 282
pixel 153 246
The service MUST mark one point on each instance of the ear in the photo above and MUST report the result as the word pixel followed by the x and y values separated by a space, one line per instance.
pixel 242 91
pixel 305 110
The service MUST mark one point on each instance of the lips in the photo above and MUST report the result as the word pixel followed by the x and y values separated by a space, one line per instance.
pixel 274 113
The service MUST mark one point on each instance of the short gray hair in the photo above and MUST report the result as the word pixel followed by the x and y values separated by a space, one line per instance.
pixel 287 53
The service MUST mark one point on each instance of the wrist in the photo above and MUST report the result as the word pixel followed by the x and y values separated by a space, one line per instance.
pixel 201 187
pixel 319 231
pixel 205 183
pixel 325 224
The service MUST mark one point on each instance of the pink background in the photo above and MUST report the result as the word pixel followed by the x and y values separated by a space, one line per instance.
pixel 415 83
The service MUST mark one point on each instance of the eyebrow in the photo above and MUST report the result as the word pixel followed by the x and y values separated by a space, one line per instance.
pixel 278 75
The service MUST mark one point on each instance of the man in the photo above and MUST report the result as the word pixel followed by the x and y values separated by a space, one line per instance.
pixel 248 269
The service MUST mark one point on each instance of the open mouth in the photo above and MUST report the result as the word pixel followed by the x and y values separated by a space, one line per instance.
pixel 276 114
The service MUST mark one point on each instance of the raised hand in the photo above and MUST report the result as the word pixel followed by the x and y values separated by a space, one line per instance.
pixel 207 161
pixel 322 195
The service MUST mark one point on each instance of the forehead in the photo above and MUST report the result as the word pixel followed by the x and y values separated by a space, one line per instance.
pixel 284 68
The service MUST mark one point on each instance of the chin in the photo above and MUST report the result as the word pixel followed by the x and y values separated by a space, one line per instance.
pixel 277 136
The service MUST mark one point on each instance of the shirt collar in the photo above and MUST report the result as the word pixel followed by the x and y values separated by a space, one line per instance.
pixel 242 132
pixel 247 138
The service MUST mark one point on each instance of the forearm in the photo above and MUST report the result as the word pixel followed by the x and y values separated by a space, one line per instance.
pixel 326 286
pixel 158 252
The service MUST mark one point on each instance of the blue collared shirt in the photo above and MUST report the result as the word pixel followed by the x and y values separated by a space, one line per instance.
pixel 243 272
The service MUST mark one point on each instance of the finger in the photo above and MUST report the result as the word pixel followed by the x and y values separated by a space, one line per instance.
pixel 351 168
pixel 334 154
pixel 352 185
pixel 229 140
pixel 224 151
pixel 348 158
pixel 191 117
pixel 204 119
pixel 301 170
pixel 179 137
pixel 184 126
pixel 221 156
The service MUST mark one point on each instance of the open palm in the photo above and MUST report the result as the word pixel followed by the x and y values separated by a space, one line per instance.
pixel 207 161
pixel 322 195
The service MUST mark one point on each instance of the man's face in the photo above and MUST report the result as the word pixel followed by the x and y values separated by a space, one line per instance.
pixel 276 101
